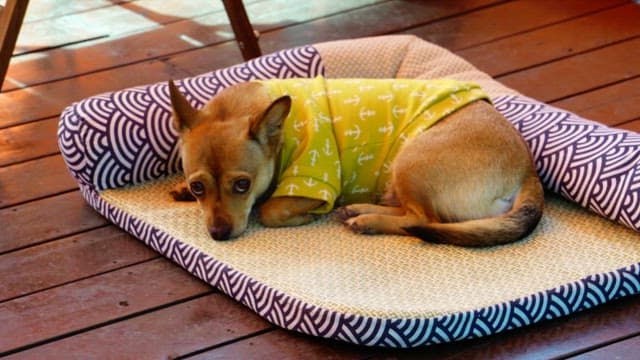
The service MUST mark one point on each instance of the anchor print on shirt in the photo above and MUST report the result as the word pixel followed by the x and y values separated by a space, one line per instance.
pixel 355 100
pixel 386 97
pixel 398 111
pixel 353 132
pixel 362 115
pixel 366 113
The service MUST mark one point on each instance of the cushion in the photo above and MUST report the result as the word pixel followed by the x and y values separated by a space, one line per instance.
pixel 384 290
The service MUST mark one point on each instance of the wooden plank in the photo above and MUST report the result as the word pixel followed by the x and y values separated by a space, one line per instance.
pixel 166 12
pixel 611 105
pixel 34 179
pixel 172 38
pixel 557 41
pixel 625 349
pixel 107 21
pixel 269 15
pixel 28 141
pixel 51 218
pixel 46 9
pixel 397 16
pixel 588 71
pixel 48 100
pixel 97 300
pixel 281 344
pixel 162 334
pixel 490 25
pixel 69 259
pixel 633 125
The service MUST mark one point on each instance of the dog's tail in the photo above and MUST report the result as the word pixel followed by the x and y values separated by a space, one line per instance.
pixel 510 226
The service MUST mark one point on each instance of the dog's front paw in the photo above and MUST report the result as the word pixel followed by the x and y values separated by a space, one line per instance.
pixel 181 193
pixel 343 213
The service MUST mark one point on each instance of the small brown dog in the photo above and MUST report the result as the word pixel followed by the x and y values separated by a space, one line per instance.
pixel 298 146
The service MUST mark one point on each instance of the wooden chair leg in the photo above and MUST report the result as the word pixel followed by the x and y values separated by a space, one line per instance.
pixel 10 22
pixel 245 35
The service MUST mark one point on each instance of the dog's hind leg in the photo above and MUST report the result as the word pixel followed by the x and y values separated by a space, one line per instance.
pixel 348 211
pixel 377 219
pixel 382 223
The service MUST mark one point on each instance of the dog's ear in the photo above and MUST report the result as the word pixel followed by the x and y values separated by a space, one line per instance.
pixel 267 129
pixel 184 115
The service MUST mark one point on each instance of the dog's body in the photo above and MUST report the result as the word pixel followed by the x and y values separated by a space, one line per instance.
pixel 467 180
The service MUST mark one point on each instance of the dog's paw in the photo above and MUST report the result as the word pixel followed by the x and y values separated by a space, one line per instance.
pixel 181 193
pixel 343 213
pixel 356 225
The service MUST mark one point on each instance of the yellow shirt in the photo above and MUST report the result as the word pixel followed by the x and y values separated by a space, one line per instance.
pixel 342 134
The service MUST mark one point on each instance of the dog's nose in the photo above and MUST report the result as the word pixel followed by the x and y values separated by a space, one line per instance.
pixel 220 232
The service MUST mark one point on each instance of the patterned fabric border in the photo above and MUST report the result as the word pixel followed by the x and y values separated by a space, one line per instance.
pixel 591 164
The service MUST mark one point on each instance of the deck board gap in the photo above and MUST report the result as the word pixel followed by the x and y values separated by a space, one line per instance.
pixel 26 160
pixel 113 3
pixel 66 235
pixel 228 342
pixel 584 91
pixel 444 17
pixel 107 323
pixel 517 33
pixel 58 46
pixel 158 256
pixel 598 346
pixel 563 57
pixel 38 198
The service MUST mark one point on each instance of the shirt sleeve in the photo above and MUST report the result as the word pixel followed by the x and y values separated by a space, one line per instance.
pixel 311 161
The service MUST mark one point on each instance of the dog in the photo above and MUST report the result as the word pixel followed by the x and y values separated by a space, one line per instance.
pixel 427 158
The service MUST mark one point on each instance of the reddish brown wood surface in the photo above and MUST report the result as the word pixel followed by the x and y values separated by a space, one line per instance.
pixel 46 219
pixel 34 179
pixel 588 71
pixel 69 259
pixel 506 21
pixel 211 319
pixel 83 304
pixel 29 141
pixel 597 104
pixel 624 349
pixel 543 44
pixel 73 286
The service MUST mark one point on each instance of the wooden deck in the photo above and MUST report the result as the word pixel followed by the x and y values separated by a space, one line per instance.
pixel 74 286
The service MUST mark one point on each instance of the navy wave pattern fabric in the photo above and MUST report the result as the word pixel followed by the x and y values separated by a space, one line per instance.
pixel 596 166
pixel 126 137
pixel 293 314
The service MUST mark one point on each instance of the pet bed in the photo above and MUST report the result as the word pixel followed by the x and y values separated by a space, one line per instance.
pixel 392 291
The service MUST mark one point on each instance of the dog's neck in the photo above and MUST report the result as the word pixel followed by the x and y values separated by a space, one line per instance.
pixel 275 163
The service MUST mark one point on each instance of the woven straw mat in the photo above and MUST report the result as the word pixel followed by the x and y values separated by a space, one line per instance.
pixel 382 276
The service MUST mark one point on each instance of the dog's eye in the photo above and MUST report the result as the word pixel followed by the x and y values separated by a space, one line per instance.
pixel 241 186
pixel 197 188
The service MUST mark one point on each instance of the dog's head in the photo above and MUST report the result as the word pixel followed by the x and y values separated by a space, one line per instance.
pixel 229 150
